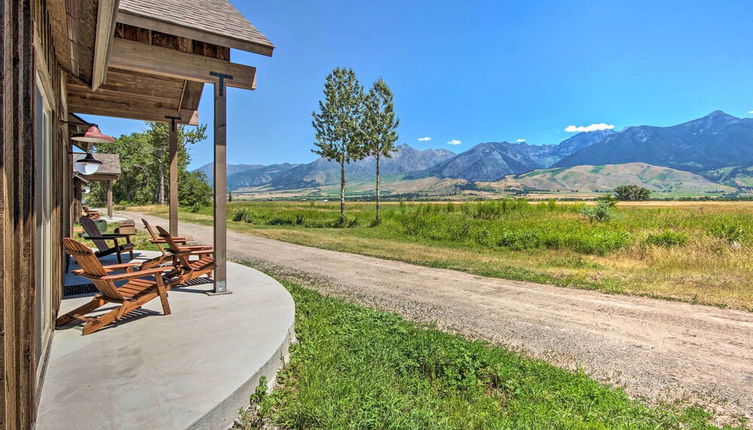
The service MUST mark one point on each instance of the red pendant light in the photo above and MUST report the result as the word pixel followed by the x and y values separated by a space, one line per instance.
pixel 92 135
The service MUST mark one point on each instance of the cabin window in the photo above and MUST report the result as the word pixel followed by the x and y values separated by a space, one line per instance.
pixel 43 220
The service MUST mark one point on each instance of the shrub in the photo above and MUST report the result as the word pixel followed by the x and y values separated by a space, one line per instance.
pixel 196 208
pixel 732 232
pixel 602 212
pixel 667 239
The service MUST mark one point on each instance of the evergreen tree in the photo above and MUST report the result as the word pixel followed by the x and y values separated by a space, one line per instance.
pixel 336 123
pixel 378 129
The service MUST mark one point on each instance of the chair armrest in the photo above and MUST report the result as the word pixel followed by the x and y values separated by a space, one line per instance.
pixel 99 237
pixel 113 235
pixel 175 239
pixel 137 273
pixel 124 266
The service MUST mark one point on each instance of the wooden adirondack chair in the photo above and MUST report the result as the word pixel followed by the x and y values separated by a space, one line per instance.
pixel 179 241
pixel 90 213
pixel 100 240
pixel 185 268
pixel 130 296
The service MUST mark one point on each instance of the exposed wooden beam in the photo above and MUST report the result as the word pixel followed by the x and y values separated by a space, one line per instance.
pixel 93 106
pixel 140 57
pixel 173 156
pixel 192 33
pixel 220 189
pixel 106 12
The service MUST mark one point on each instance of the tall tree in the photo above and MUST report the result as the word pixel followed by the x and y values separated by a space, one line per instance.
pixel 336 123
pixel 378 129
pixel 144 162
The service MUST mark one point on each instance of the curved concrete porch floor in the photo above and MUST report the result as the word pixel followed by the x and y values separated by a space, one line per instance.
pixel 190 370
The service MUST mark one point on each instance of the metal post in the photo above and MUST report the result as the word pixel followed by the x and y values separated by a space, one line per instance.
pixel 173 155
pixel 109 199
pixel 220 184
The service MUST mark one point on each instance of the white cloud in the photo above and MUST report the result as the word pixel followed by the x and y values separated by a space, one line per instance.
pixel 592 127
pixel 454 142
pixel 750 112
pixel 520 140
pixel 424 139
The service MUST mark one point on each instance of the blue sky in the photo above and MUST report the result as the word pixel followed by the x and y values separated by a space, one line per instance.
pixel 487 70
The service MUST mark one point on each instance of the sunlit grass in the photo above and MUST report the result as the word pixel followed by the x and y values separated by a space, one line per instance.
pixel 356 368
pixel 697 252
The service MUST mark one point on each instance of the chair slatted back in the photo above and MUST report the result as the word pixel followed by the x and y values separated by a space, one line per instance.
pixel 91 229
pixel 172 246
pixel 154 235
pixel 92 267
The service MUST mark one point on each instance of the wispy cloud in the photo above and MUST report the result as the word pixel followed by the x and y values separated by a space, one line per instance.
pixel 750 112
pixel 424 139
pixel 454 142
pixel 592 127
pixel 520 140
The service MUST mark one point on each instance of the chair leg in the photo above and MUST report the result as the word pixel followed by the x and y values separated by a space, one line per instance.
pixel 130 251
pixel 120 260
pixel 103 320
pixel 163 295
pixel 81 310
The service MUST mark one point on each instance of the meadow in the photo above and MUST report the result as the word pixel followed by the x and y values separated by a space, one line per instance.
pixel 691 251
pixel 357 368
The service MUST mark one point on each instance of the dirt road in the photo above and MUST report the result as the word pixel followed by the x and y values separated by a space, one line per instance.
pixel 660 349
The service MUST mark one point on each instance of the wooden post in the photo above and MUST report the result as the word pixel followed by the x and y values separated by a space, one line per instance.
pixel 220 187
pixel 109 199
pixel 173 154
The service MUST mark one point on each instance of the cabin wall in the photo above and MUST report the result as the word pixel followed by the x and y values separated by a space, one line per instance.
pixel 27 53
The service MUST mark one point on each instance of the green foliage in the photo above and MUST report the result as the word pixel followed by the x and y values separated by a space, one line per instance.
pixel 378 129
pixel 356 368
pixel 603 211
pixel 145 164
pixel 632 193
pixel 337 121
pixel 667 239
pixel 730 231
pixel 193 189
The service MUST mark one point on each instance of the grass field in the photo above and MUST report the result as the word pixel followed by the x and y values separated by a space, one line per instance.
pixel 691 251
pixel 356 368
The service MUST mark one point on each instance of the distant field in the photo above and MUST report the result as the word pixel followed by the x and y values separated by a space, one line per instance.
pixel 691 251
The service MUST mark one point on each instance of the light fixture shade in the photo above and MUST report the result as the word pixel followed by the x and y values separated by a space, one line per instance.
pixel 92 135
pixel 88 165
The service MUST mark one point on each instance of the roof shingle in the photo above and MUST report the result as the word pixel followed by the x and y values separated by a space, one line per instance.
pixel 218 17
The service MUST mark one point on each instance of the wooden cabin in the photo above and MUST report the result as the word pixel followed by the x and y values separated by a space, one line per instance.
pixel 138 59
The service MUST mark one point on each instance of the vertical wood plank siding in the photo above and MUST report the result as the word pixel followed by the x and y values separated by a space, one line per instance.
pixel 23 22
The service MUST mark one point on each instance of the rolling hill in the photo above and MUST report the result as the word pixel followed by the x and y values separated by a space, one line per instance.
pixel 605 178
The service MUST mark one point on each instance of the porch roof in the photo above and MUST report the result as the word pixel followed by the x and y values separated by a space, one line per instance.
pixel 212 21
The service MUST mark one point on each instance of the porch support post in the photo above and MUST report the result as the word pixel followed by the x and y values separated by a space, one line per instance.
pixel 109 199
pixel 220 184
pixel 173 155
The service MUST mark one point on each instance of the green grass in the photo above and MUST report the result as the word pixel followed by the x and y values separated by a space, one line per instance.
pixel 356 368
pixel 695 252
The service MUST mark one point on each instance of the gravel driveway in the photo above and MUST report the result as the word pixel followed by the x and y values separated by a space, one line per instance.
pixel 659 349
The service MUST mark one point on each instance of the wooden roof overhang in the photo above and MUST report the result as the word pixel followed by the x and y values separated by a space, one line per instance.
pixel 152 76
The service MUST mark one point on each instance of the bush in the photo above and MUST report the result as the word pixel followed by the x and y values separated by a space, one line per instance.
pixel 667 239
pixel 732 232
pixel 602 212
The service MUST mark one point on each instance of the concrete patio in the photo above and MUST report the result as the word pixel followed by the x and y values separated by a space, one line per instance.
pixel 193 369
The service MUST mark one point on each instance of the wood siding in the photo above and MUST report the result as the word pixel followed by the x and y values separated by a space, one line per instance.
pixel 26 50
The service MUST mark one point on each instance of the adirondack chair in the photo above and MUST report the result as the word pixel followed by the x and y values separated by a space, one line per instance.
pixel 130 296
pixel 187 269
pixel 179 241
pixel 100 240
pixel 90 213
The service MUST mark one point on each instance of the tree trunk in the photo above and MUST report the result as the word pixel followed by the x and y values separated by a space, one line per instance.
pixel 342 186
pixel 378 215
pixel 161 197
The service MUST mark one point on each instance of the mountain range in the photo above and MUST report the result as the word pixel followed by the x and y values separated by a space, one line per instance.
pixel 715 149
